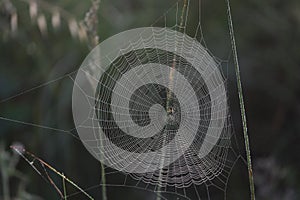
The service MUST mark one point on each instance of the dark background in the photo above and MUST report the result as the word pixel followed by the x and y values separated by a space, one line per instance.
pixel 267 36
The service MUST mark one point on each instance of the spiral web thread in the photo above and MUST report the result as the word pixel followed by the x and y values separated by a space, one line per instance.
pixel 133 98
pixel 189 176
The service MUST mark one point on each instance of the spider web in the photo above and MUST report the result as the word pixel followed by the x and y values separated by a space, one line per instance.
pixel 158 114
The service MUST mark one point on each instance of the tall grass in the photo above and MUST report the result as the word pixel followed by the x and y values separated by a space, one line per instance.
pixel 241 100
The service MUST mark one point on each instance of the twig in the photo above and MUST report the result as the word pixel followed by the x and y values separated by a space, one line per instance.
pixel 52 182
pixel 21 152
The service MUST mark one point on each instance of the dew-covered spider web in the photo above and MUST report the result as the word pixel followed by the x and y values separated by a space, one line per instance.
pixel 151 104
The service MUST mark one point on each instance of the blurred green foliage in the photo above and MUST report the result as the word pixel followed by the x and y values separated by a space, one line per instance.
pixel 268 38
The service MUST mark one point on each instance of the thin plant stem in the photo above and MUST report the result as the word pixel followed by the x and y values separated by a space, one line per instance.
pixel 21 152
pixel 169 91
pixel 5 187
pixel 171 75
pixel 5 182
pixel 64 188
pixel 103 180
pixel 241 100
pixel 91 24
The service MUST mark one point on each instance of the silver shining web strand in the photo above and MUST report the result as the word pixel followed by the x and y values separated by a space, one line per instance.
pixel 132 119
